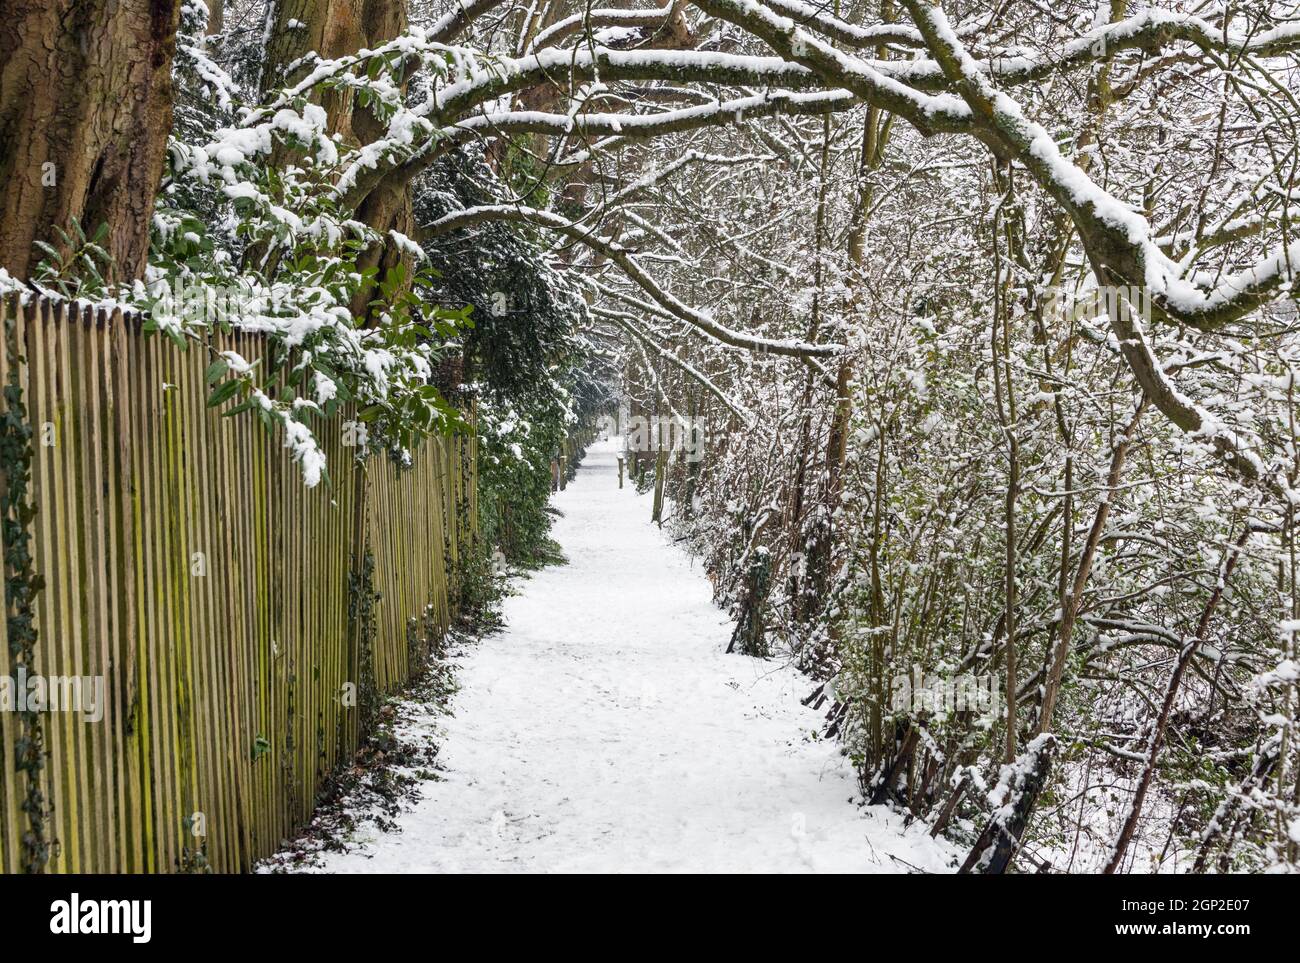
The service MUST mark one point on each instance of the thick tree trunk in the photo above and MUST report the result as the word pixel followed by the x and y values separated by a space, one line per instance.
pixel 328 28
pixel 336 28
pixel 85 109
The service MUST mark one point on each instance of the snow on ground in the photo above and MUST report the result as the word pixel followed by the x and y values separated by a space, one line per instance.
pixel 605 730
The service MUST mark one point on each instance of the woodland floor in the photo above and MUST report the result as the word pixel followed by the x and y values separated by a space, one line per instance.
pixel 604 729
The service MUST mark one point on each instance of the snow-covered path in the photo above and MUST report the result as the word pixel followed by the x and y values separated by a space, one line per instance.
pixel 605 730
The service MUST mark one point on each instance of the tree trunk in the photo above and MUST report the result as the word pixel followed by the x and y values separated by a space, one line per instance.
pixel 1073 596
pixel 85 110
pixel 661 469
pixel 1023 779
pixel 337 28
pixel 821 543
pixel 329 28
pixel 216 16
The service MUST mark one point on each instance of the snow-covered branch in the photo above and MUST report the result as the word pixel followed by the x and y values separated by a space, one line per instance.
pixel 626 260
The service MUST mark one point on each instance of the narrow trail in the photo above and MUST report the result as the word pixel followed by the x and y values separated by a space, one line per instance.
pixel 605 730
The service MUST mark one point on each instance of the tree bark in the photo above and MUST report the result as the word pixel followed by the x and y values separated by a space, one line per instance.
pixel 329 28
pixel 85 110
pixel 1024 778
pixel 337 28
pixel 216 16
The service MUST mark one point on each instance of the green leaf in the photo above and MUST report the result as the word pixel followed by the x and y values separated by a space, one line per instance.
pixel 50 252
pixel 223 393
pixel 238 409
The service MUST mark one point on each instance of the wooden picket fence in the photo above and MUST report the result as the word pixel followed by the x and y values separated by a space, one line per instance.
pixel 186 563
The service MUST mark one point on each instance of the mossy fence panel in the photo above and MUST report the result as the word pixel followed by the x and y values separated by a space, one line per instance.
pixel 216 599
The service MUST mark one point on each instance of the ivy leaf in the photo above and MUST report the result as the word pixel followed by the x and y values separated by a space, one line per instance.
pixel 223 393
